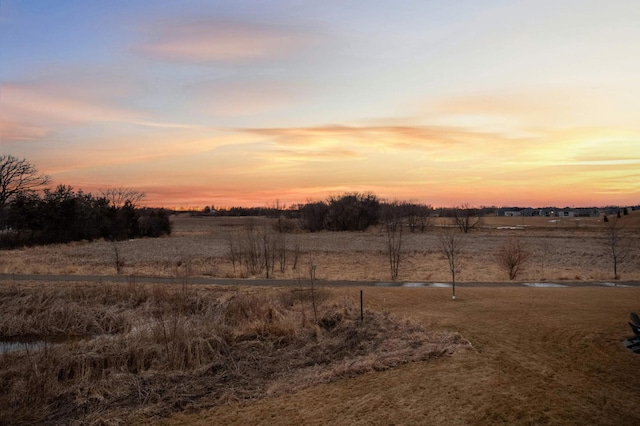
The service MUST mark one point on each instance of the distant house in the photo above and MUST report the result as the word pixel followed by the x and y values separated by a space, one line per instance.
pixel 614 210
pixel 514 211
pixel 547 212
pixel 578 212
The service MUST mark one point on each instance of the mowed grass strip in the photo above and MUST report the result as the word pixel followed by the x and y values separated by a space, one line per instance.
pixel 542 356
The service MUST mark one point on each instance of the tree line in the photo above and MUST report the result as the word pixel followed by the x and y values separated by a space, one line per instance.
pixel 61 215
pixel 347 212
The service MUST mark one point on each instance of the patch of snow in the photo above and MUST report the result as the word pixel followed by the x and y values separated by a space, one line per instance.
pixel 554 285
pixel 613 285
pixel 439 285
pixel 414 285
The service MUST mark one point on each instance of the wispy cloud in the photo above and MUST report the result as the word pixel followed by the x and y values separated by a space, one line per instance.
pixel 38 109
pixel 164 125
pixel 414 137
pixel 437 143
pixel 50 106
pixel 216 41
pixel 529 109
pixel 13 131
pixel 240 98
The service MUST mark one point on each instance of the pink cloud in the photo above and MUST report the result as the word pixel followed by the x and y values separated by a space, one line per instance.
pixel 211 40
pixel 13 131
pixel 49 106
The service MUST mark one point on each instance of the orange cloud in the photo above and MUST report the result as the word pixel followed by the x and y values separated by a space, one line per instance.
pixel 419 138
pixel 185 166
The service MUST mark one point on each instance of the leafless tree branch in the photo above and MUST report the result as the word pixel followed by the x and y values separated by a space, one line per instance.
pixel 120 195
pixel 18 175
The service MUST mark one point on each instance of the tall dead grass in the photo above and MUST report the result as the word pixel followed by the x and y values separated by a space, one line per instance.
pixel 148 351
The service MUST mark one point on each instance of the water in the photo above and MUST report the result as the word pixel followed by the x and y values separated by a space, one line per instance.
pixel 16 346
pixel 32 343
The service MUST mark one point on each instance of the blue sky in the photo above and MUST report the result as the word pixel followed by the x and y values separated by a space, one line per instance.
pixel 203 102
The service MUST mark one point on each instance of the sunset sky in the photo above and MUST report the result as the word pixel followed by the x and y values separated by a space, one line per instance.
pixel 486 102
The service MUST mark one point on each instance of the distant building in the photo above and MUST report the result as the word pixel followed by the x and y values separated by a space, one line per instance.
pixel 514 211
pixel 578 212
pixel 547 212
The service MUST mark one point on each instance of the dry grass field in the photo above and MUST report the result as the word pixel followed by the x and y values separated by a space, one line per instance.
pixel 560 250
pixel 536 355
pixel 99 353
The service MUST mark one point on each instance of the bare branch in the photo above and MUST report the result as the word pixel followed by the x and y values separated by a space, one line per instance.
pixel 512 257
pixel 615 243
pixel 466 218
pixel 452 245
pixel 117 197
pixel 18 175
pixel 394 245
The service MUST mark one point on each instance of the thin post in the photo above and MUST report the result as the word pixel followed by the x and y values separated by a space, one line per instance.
pixel 361 308
pixel 312 272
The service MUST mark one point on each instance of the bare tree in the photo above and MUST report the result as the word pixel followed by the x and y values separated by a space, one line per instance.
pixel 615 243
pixel 312 277
pixel 545 250
pixel 118 259
pixel 117 197
pixel 419 217
pixel 452 245
pixel 258 249
pixel 466 218
pixel 18 175
pixel 233 253
pixel 296 252
pixel 268 251
pixel 394 245
pixel 251 250
pixel 280 250
pixel 512 256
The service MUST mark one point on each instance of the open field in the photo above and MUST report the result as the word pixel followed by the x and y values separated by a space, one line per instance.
pixel 561 250
pixel 539 355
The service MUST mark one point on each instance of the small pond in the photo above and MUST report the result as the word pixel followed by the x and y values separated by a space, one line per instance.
pixel 24 343
pixel 19 346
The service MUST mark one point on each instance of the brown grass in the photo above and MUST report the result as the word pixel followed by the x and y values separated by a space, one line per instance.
pixel 543 356
pixel 570 249
pixel 149 351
